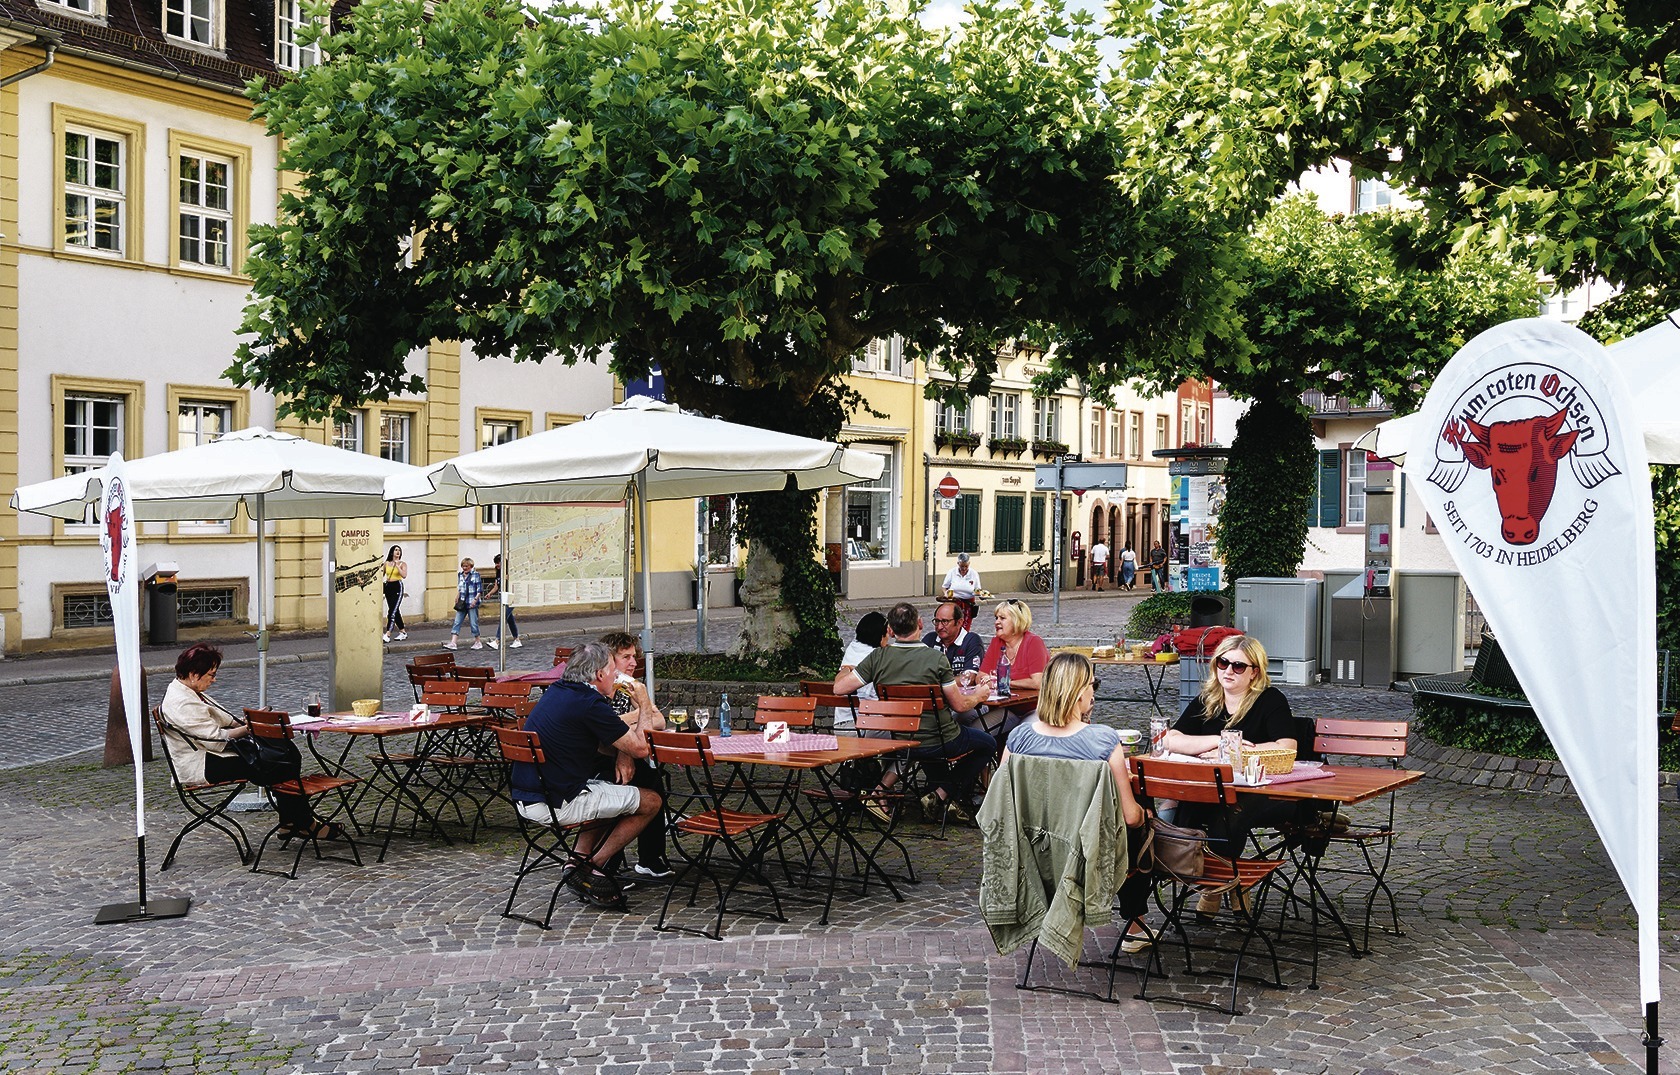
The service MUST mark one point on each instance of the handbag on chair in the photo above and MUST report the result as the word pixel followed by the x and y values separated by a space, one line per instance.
pixel 1174 850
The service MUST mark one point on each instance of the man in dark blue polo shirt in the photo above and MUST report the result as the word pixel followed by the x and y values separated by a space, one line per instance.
pixel 576 724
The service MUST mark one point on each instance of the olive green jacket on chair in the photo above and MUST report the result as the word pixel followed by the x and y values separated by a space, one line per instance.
pixel 1054 849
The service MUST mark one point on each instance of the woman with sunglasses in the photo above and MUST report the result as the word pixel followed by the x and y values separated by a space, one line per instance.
pixel 1238 694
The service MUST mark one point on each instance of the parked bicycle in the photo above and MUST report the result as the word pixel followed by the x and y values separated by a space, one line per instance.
pixel 1038 576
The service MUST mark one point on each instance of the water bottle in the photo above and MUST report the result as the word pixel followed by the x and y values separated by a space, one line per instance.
pixel 724 726
pixel 1003 688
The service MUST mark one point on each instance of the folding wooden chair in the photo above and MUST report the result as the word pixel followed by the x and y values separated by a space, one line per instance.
pixel 1381 739
pixel 745 838
pixel 465 760
pixel 274 724
pixel 842 708
pixel 932 697
pixel 501 701
pixel 562 654
pixel 474 678
pixel 207 802
pixel 1243 882
pixel 795 712
pixel 428 667
pixel 549 845
pixel 875 809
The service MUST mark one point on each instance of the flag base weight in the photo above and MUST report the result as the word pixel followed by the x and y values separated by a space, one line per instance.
pixel 113 913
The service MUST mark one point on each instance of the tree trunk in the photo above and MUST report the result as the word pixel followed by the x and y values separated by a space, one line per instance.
pixel 767 626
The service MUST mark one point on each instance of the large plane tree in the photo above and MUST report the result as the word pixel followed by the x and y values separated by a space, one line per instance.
pixel 741 192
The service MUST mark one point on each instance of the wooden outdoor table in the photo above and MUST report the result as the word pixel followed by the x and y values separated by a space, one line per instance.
pixel 824 765
pixel 393 778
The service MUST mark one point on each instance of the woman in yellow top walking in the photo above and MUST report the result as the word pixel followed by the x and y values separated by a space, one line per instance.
pixel 396 570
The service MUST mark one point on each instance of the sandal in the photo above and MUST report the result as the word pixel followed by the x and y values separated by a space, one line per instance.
pixel 323 830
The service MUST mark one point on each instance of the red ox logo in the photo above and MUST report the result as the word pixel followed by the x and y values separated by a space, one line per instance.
pixel 113 529
pixel 1523 457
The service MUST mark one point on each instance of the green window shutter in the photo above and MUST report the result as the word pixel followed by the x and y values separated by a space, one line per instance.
pixel 1006 523
pixel 1036 534
pixel 965 524
pixel 1329 499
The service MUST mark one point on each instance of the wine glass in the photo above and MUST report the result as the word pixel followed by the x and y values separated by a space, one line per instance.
pixel 677 717
pixel 702 717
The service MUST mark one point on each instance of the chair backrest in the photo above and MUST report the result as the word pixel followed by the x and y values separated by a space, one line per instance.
pixel 504 695
pixel 475 677
pixel 269 723
pixel 434 660
pixel 519 745
pixel 816 688
pixel 164 732
pixel 1186 781
pixel 419 673
pixel 562 654
pixel 448 693
pixel 797 712
pixel 931 693
pixel 901 718
pixel 1361 738
pixel 682 749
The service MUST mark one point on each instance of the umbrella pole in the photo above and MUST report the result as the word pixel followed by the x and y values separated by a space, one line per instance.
pixel 643 547
pixel 502 591
pixel 629 529
pixel 702 566
pixel 262 611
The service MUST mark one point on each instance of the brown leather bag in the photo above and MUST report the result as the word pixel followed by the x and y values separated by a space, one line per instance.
pixel 1172 850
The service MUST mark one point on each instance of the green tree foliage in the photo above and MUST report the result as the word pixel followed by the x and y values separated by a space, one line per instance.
pixel 1268 490
pixel 1540 125
pixel 743 192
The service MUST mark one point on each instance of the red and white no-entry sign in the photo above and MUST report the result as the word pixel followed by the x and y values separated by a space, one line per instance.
pixel 948 487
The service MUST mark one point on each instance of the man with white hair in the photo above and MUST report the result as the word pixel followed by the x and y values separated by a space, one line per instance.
pixel 576 724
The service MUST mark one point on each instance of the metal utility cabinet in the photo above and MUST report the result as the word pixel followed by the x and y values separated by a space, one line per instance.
pixel 1284 615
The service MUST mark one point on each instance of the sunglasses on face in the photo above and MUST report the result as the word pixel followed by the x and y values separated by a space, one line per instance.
pixel 1225 664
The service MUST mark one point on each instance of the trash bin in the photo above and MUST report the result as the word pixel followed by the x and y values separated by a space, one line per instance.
pixel 162 607
pixel 1208 610
pixel 1192 673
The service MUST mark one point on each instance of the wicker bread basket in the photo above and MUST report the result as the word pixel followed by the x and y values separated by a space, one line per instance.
pixel 365 707
pixel 1274 761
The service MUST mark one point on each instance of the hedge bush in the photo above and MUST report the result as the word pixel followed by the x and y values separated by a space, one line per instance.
pixel 1512 733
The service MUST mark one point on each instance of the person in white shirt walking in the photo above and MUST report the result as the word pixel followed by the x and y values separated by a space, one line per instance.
pixel 1099 564
pixel 962 585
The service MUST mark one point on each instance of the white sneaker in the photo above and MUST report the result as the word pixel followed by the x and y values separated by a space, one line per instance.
pixel 515 644
pixel 450 645
pixel 493 644
pixel 478 643
pixel 401 635
pixel 386 636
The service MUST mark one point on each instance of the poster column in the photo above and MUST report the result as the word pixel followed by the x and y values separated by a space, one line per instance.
pixel 356 662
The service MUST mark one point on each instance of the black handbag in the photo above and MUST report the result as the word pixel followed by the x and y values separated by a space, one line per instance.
pixel 461 604
pixel 1172 850
pixel 270 760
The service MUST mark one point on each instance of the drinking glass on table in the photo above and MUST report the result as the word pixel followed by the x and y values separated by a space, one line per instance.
pixel 312 703
pixel 677 717
pixel 702 717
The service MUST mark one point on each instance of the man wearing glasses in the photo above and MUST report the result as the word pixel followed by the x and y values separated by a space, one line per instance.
pixel 961 646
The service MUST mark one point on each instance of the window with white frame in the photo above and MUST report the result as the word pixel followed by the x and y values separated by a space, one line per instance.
pixel 1186 423
pixel 1204 423
pixel 881 356
pixel 289 18
pixel 955 419
pixel 347 432
pixel 1134 436
pixel 93 429
pixel 869 511
pixel 1354 496
pixel 200 422
pixel 1095 448
pixel 1163 432
pixel 84 7
pixel 1114 420
pixel 95 190
pixel 395 440
pixel 1006 414
pixel 205 220
pixel 1044 418
pixel 492 433
pixel 193 21
pixel 1373 194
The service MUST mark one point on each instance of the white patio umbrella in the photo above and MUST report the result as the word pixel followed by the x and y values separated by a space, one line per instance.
pixel 273 475
pixel 1648 361
pixel 643 445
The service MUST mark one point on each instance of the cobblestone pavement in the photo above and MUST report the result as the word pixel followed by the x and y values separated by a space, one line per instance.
pixel 1519 954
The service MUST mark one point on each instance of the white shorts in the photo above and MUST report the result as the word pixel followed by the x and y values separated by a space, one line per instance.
pixel 598 800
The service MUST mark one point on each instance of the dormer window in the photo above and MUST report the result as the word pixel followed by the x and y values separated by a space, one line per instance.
pixel 80 7
pixel 193 21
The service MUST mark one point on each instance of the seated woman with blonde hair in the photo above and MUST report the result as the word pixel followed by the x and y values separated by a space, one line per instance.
pixel 1062 728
